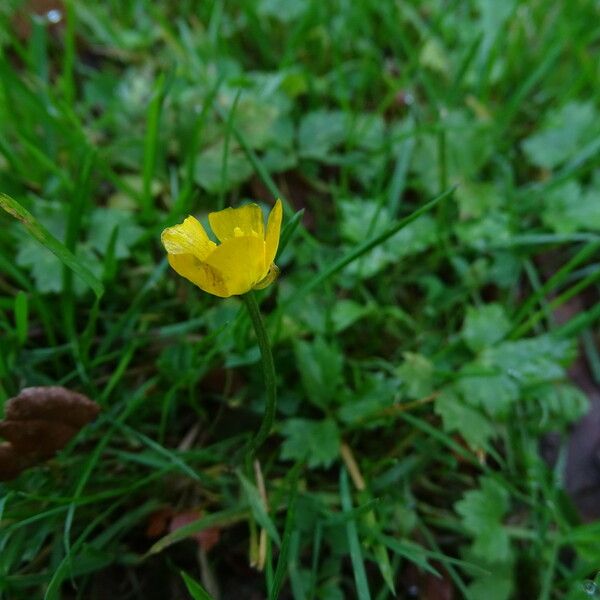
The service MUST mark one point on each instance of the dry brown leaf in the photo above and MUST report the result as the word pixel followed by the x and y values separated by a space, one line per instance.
pixel 39 422
pixel 207 538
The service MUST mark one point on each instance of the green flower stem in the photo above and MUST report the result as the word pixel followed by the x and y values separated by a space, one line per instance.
pixel 268 371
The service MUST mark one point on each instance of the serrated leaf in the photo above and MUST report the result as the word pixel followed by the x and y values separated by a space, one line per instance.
pixel 493 229
pixel 476 199
pixel 365 218
pixel 320 132
pixel 51 243
pixel 434 56
pixel 347 312
pixel 567 208
pixel 482 512
pixel 458 416
pixel 468 146
pixel 531 361
pixel 484 326
pixel 285 11
pixel 208 172
pixel 496 584
pixel 255 119
pixel 372 397
pixel 564 132
pixel 417 375
pixel 47 270
pixel 317 442
pixel 493 391
pixel 368 131
pixel 320 366
pixel 103 223
pixel 493 15
pixel 560 404
pixel 44 267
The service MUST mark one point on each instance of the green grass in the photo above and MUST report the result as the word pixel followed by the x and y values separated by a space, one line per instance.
pixel 438 165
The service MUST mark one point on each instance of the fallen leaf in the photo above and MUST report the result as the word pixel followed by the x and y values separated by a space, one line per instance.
pixel 207 538
pixel 11 462
pixel 39 422
pixel 158 522
pixel 41 438
pixel 51 403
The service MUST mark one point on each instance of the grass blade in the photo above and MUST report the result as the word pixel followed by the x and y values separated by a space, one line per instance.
pixel 221 518
pixel 363 248
pixel 197 592
pixel 290 521
pixel 360 575
pixel 151 144
pixel 42 235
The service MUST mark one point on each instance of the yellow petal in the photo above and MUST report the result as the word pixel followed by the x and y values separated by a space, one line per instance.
pixel 273 231
pixel 270 277
pixel 204 276
pixel 236 222
pixel 187 238
pixel 241 263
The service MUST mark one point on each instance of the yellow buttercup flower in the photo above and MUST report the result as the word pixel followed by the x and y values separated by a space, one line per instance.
pixel 241 262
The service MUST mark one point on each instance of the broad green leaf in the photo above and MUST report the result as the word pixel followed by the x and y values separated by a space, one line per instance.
pixel 365 218
pixel 104 221
pixel 417 375
pixel 209 170
pixel 320 132
pixel 567 208
pixel 484 326
pixel 492 391
pixel 347 312
pixel 434 56
pixel 316 441
pixel 558 404
pixel 468 147
pixel 495 583
pixel 367 131
pixel 47 270
pixel 376 393
pixel 286 11
pixel 532 360
pixel 414 238
pixel 493 229
pixel 476 199
pixel 320 367
pixel 458 416
pixel 493 15
pixel 564 132
pixel 482 511
pixel 366 246
pixel 255 119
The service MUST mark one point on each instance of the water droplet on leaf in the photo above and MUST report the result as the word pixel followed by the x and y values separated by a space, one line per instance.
pixel 54 16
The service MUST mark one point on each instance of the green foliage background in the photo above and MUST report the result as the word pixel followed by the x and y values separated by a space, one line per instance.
pixel 429 366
